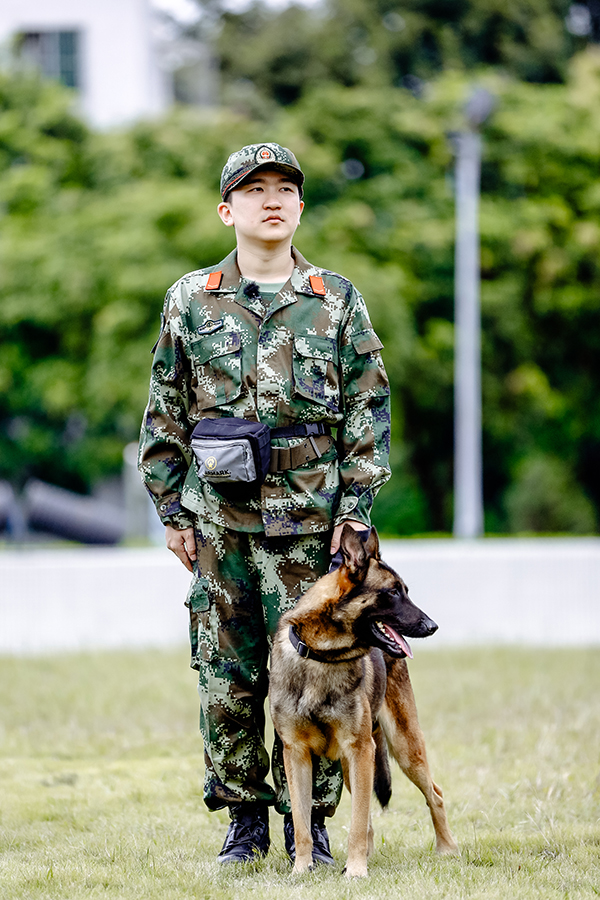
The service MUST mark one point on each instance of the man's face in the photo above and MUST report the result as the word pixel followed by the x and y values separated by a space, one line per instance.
pixel 265 209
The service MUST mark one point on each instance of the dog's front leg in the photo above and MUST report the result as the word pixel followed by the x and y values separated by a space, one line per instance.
pixel 297 761
pixel 360 756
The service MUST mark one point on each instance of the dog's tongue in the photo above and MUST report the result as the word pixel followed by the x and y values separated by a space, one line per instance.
pixel 398 639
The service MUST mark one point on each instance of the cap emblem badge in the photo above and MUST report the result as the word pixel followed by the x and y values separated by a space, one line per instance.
pixel 265 154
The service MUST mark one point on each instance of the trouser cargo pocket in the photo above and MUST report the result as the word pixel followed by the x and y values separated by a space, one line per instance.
pixel 197 601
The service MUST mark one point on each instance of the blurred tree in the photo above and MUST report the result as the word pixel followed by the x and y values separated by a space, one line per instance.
pixel 544 497
pixel 95 228
pixel 280 53
pixel 43 157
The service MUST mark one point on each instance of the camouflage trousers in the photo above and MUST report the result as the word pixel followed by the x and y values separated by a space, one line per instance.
pixel 241 586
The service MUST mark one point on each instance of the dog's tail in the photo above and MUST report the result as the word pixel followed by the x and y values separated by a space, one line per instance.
pixel 382 784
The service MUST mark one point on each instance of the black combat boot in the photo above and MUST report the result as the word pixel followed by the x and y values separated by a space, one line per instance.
pixel 248 834
pixel 321 852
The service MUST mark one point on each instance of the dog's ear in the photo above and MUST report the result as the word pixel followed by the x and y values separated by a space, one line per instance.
pixel 372 544
pixel 353 552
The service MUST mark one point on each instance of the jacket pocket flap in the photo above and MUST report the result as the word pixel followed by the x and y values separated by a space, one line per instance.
pixel 214 345
pixel 366 341
pixel 315 347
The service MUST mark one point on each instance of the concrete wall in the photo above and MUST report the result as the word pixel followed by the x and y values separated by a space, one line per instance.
pixel 537 592
pixel 543 592
pixel 121 80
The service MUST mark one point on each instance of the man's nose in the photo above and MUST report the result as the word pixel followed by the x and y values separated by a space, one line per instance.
pixel 272 200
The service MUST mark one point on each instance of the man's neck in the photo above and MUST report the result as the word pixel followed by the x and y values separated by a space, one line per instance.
pixel 265 266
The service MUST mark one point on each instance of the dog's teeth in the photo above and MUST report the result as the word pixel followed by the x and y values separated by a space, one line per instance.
pixel 381 626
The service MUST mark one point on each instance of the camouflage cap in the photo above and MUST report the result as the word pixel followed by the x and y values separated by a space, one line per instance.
pixel 243 162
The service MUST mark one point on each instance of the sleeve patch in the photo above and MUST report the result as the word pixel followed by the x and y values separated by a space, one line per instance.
pixel 366 341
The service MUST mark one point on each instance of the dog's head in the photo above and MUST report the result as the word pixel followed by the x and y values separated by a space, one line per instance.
pixel 375 599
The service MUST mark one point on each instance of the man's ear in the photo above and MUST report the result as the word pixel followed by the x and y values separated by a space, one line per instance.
pixel 225 213
pixel 353 553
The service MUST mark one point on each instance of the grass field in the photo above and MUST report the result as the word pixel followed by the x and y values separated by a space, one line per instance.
pixel 100 785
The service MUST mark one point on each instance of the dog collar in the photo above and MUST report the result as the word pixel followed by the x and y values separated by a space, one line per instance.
pixel 301 648
pixel 305 652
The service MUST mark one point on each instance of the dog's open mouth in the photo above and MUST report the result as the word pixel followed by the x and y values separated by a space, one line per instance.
pixel 395 642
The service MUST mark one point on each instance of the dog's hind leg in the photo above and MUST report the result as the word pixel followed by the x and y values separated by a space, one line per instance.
pixel 398 717
pixel 297 761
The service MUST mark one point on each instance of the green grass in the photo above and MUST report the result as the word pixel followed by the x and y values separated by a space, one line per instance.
pixel 100 785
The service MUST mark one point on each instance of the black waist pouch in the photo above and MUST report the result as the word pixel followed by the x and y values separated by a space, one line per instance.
pixel 232 450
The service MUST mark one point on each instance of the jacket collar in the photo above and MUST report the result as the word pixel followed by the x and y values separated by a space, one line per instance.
pixel 233 283
pixel 230 278
pixel 300 277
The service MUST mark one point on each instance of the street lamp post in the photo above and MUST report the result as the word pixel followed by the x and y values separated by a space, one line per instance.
pixel 468 483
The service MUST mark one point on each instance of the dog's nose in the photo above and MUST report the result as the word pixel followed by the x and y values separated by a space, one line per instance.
pixel 429 626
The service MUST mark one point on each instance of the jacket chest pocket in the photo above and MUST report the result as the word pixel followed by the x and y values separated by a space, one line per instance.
pixel 217 360
pixel 315 370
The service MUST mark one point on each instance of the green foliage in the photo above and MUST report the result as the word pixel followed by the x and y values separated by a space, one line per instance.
pixel 545 497
pixel 96 227
pixel 280 54
pixel 82 273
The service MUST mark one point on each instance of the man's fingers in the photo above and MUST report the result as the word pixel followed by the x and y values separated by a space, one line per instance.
pixel 190 545
pixel 335 539
pixel 182 555
pixel 185 561
pixel 182 543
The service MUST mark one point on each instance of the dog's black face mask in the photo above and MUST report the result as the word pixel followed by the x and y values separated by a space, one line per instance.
pixel 391 617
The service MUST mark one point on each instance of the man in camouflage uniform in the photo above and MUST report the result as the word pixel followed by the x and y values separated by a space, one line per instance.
pixel 266 336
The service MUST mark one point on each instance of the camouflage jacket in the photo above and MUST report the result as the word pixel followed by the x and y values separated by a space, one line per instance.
pixel 312 356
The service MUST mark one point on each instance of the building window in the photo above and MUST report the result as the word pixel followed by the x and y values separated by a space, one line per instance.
pixel 54 53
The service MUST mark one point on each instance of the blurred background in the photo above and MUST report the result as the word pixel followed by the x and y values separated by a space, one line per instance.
pixel 115 120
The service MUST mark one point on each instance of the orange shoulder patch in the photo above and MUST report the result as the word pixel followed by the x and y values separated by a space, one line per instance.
pixel 214 281
pixel 317 284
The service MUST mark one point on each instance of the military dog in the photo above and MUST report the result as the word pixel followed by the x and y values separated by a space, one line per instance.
pixel 339 687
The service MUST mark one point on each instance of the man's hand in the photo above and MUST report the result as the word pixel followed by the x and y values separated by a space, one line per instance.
pixel 182 543
pixel 337 533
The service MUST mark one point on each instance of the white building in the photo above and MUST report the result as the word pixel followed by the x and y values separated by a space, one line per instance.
pixel 103 48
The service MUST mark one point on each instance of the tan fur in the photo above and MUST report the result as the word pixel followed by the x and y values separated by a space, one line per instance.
pixel 400 723
pixel 329 708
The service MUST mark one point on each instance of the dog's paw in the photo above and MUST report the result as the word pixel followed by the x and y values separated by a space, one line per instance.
pixel 301 868
pixel 355 870
pixel 448 847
